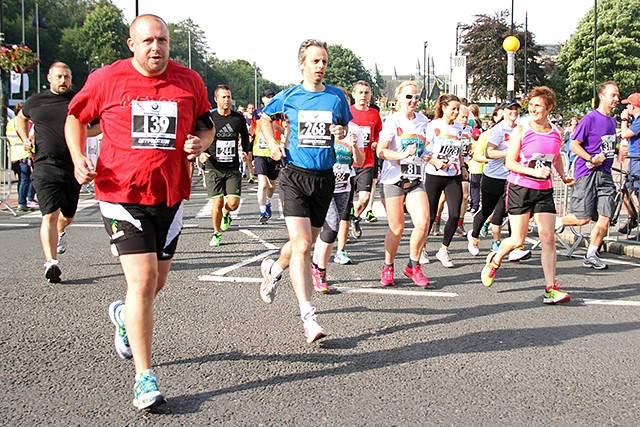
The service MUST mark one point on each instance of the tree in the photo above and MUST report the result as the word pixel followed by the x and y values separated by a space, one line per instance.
pixel 487 60
pixel 618 54
pixel 345 68
pixel 101 40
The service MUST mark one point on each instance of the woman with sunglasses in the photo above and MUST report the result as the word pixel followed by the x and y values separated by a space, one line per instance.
pixel 446 168
pixel 401 147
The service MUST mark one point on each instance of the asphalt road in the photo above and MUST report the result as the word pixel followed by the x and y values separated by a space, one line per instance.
pixel 457 354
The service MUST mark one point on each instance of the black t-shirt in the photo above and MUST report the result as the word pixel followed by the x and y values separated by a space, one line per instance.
pixel 48 113
pixel 224 149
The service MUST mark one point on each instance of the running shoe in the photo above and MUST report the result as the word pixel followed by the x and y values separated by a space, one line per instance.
pixel 250 180
pixel 519 254
pixel 495 245
pixel 489 271
pixel 120 341
pixel 216 239
pixel 356 230
pixel 386 278
pixel 226 222
pixel 460 231
pixel 23 208
pixel 319 279
pixel 52 271
pixel 267 210
pixel 630 225
pixel 424 257
pixel 269 286
pixel 33 204
pixel 484 231
pixel 146 393
pixel 473 244
pixel 435 228
pixel 594 262
pixel 264 219
pixel 342 258
pixel 415 274
pixel 371 217
pixel 312 330
pixel 62 243
pixel 553 295
pixel 444 258
pixel 559 227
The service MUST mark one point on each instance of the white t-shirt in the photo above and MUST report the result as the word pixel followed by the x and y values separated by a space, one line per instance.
pixel 401 132
pixel 446 144
pixel 499 136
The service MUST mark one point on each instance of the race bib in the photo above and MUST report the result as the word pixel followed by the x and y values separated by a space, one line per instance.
pixel 154 124
pixel 449 151
pixel 608 146
pixel 262 142
pixel 411 168
pixel 366 135
pixel 538 161
pixel 342 173
pixel 313 129
pixel 226 150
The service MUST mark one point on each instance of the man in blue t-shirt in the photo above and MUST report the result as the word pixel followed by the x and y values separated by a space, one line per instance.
pixel 317 114
pixel 594 142
pixel 630 129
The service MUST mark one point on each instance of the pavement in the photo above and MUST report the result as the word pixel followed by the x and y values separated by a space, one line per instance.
pixel 455 354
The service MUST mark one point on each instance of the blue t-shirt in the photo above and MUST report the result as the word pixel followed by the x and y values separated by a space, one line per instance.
pixel 597 134
pixel 310 144
pixel 635 139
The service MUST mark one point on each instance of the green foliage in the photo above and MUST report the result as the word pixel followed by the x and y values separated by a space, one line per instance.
pixel 618 54
pixel 487 60
pixel 345 68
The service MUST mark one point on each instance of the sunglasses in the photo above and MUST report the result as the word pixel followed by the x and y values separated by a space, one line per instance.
pixel 412 97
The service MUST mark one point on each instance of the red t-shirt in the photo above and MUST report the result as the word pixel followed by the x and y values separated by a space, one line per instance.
pixel 370 126
pixel 145 122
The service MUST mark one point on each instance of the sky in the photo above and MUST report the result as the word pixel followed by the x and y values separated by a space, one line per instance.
pixel 389 35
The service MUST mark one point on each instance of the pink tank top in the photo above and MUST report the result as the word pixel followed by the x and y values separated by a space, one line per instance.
pixel 537 150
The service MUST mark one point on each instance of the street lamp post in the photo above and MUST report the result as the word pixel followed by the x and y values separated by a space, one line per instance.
pixel 424 73
pixel 511 44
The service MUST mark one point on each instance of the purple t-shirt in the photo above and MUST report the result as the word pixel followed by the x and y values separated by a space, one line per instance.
pixel 597 134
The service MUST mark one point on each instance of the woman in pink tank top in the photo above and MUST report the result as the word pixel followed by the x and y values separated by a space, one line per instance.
pixel 531 157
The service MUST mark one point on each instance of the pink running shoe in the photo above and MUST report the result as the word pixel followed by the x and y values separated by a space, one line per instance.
pixel 319 279
pixel 386 278
pixel 416 275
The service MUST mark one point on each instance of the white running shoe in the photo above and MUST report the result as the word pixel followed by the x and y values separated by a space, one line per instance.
pixel 62 243
pixel 312 330
pixel 473 244
pixel 269 285
pixel 444 258
pixel 519 254
pixel 424 257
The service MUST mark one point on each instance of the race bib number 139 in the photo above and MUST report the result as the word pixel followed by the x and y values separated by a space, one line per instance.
pixel 154 124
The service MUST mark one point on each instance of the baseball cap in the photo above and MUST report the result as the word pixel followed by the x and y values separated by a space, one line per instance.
pixel 475 133
pixel 510 103
pixel 269 92
pixel 633 99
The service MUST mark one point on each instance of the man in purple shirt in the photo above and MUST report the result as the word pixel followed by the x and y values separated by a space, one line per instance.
pixel 594 143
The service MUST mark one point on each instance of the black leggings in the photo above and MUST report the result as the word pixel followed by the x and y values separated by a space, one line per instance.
pixel 452 187
pixel 492 198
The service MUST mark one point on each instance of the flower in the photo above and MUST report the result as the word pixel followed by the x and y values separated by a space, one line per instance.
pixel 20 59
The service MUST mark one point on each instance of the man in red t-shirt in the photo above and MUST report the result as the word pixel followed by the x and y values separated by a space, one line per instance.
pixel 154 115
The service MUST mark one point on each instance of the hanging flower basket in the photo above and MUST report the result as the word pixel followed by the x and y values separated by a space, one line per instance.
pixel 20 59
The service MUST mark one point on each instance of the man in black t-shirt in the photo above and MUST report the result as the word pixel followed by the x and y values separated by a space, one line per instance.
pixel 53 179
pixel 222 162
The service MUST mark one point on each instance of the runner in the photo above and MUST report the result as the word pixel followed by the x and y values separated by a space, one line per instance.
pixel 318 114
pixel 402 149
pixel 264 166
pixel 52 177
pixel 142 175
pixel 370 125
pixel 222 163
pixel 533 152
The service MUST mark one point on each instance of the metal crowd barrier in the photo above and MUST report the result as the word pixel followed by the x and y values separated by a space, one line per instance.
pixel 5 173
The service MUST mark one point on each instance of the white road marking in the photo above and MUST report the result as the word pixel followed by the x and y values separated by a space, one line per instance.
pixel 395 292
pixel 610 302
pixel 212 278
pixel 82 205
